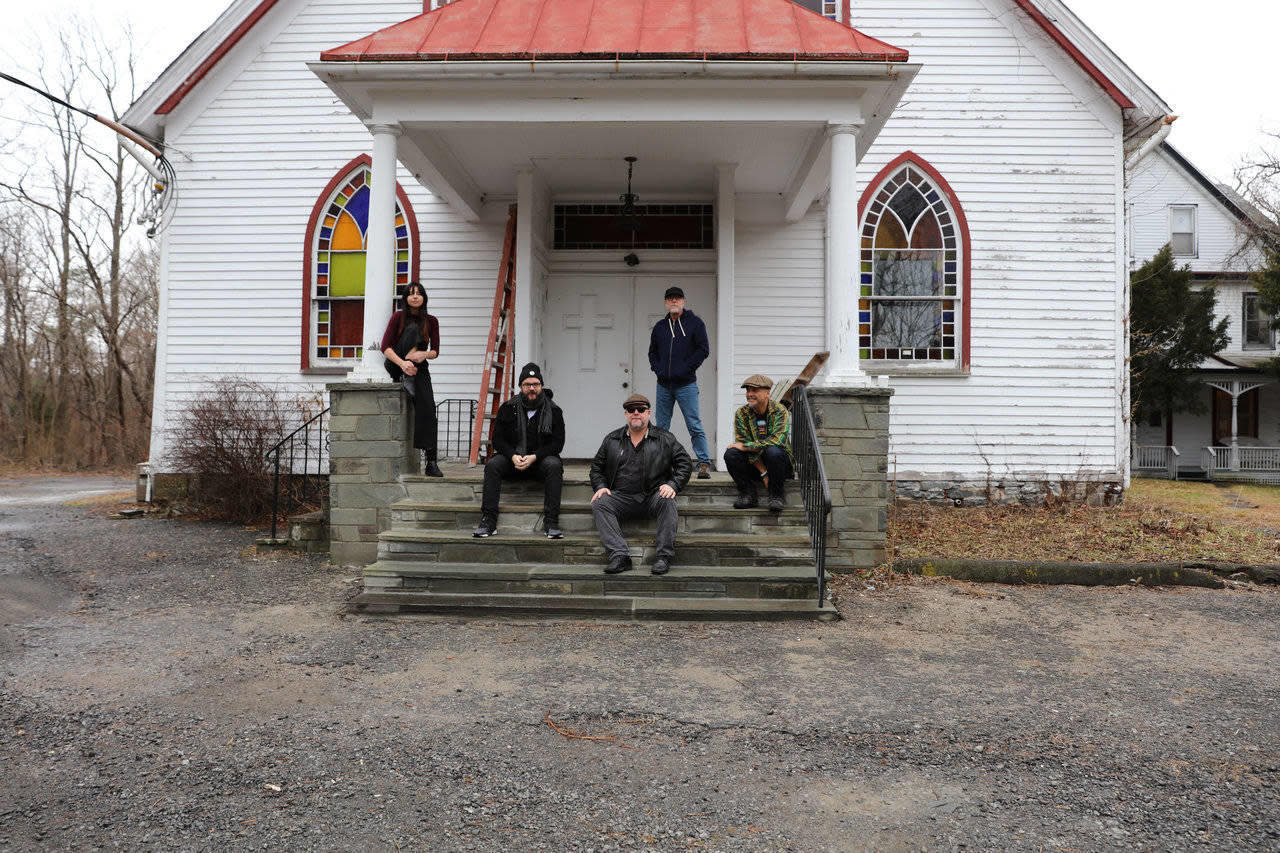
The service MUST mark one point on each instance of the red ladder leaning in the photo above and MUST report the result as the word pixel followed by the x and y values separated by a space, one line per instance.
pixel 495 378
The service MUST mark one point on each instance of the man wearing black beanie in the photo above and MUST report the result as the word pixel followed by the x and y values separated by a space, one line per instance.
pixel 528 436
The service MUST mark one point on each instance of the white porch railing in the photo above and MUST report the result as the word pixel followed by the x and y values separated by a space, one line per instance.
pixel 1156 458
pixel 1247 459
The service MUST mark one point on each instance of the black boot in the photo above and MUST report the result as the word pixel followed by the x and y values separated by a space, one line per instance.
pixel 432 469
pixel 746 498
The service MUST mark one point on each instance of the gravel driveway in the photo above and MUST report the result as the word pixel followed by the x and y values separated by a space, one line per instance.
pixel 163 686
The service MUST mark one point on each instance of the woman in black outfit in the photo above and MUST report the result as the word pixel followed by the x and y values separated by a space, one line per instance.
pixel 411 340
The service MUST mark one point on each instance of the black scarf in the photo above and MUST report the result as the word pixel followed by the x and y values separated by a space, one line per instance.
pixel 542 405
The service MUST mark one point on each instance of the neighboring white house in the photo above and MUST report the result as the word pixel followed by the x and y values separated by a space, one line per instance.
pixel 993 298
pixel 1209 227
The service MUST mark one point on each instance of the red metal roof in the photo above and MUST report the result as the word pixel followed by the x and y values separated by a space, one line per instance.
pixel 622 29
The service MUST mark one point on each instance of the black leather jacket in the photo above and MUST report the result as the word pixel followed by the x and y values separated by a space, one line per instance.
pixel 665 461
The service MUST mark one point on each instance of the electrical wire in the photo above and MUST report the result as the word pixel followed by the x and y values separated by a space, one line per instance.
pixel 157 206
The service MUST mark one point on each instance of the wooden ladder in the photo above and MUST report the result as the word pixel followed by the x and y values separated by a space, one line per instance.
pixel 495 377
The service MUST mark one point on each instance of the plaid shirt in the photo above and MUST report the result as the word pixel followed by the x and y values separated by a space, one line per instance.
pixel 778 429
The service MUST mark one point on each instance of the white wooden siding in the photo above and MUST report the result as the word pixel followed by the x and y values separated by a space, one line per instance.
pixel 780 296
pixel 1032 150
pixel 251 163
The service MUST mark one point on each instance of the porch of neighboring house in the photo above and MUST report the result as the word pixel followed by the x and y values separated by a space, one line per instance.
pixel 547 135
pixel 1237 440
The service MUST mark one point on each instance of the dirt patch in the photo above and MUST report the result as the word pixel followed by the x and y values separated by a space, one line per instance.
pixel 1158 522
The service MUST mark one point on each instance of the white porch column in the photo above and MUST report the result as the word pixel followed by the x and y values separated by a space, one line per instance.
pixel 842 260
pixel 380 252
pixel 525 213
pixel 727 376
pixel 1235 425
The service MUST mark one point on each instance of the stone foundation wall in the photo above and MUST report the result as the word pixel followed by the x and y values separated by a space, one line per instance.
pixel 1008 491
pixel 370 446
pixel 853 433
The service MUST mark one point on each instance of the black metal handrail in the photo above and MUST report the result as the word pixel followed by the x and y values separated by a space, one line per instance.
pixel 812 475
pixel 455 417
pixel 301 483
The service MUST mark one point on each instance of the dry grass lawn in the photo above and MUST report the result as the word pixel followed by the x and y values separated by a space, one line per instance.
pixel 1159 521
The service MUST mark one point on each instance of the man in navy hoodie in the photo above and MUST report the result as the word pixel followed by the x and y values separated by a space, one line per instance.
pixel 677 348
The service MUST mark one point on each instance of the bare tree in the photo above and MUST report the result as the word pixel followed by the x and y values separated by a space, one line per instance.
pixel 79 288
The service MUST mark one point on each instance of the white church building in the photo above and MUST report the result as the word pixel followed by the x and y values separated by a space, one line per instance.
pixel 934 191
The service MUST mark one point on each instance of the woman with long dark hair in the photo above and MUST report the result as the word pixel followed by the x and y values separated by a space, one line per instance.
pixel 411 340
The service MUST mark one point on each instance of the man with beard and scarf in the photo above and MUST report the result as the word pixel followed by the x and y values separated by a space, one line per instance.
pixel 528 436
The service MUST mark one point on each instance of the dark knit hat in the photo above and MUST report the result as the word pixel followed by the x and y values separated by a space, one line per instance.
pixel 673 293
pixel 636 398
pixel 530 371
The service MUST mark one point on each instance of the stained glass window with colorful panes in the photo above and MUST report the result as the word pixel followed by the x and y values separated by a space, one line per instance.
pixel 337 295
pixel 910 293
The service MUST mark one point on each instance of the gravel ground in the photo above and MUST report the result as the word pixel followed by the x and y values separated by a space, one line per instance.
pixel 164 686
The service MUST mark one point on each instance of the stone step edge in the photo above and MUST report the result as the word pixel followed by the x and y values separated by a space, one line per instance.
pixel 718 480
pixel 414 505
pixel 556 571
pixel 638 607
pixel 756 539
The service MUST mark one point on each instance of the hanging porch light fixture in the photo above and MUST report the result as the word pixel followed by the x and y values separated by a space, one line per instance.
pixel 629 216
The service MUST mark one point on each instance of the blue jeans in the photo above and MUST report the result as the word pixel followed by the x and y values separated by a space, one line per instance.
pixel 687 397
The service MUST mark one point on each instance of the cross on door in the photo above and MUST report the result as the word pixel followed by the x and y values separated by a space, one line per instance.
pixel 588 345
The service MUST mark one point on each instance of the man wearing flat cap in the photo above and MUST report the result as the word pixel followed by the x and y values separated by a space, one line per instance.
pixel 528 435
pixel 678 345
pixel 762 446
pixel 638 471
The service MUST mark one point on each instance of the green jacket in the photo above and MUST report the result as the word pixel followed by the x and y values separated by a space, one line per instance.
pixel 778 426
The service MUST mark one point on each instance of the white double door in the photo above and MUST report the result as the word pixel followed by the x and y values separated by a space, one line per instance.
pixel 596 350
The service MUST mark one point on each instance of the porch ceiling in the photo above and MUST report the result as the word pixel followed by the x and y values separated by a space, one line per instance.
pixel 674 158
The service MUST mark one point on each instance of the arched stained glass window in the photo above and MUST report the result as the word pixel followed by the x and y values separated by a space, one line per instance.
pixel 339 235
pixel 911 276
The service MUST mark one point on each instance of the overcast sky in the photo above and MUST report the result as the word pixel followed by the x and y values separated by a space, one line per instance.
pixel 1214 63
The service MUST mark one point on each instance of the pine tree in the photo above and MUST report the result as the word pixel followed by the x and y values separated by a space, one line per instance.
pixel 1171 331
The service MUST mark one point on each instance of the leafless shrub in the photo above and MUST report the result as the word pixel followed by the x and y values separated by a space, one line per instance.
pixel 221 441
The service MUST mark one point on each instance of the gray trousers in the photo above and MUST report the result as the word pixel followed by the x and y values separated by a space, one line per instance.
pixel 612 508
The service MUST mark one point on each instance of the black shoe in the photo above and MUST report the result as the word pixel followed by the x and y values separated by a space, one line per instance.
pixel 488 527
pixel 746 500
pixel 777 503
pixel 704 471
pixel 433 470
pixel 660 566
pixel 552 529
pixel 620 563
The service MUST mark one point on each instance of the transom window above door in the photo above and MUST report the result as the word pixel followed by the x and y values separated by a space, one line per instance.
pixel 661 226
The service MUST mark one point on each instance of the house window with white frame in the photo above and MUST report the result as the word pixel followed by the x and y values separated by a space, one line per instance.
pixel 1258 333
pixel 826 8
pixel 1182 230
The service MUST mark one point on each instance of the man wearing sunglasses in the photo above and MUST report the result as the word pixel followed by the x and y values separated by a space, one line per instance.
pixel 638 471
pixel 528 436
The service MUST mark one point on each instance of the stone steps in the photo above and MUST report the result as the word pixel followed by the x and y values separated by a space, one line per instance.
pixel 729 563
pixel 468 484
pixel 707 549
pixel 576 516
pixel 628 607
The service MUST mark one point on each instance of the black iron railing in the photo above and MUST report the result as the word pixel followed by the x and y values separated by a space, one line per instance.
pixel 299 458
pixel 455 418
pixel 813 481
